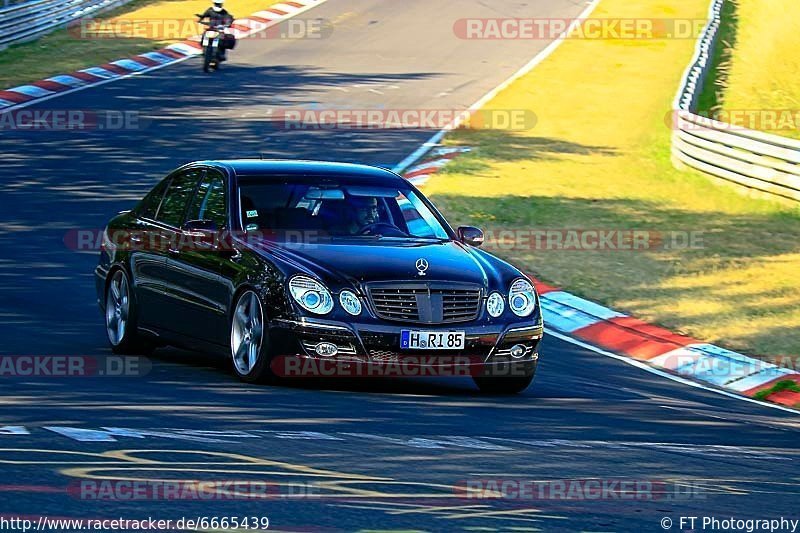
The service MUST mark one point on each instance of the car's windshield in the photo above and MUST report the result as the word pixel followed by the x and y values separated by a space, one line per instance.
pixel 335 208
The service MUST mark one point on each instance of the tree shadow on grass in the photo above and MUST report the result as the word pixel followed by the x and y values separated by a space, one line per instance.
pixel 502 145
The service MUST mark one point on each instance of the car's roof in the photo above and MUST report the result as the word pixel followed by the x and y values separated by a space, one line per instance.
pixel 284 167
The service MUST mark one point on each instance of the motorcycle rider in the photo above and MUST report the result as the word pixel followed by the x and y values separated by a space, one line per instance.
pixel 217 15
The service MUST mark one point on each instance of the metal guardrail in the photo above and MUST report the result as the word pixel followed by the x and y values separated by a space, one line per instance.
pixel 757 160
pixel 27 21
pixel 753 159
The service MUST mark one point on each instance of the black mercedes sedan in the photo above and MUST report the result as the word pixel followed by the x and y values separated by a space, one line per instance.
pixel 279 264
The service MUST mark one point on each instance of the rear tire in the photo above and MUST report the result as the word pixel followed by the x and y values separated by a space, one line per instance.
pixel 121 318
pixel 503 385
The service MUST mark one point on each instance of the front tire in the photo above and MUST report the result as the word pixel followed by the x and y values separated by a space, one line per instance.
pixel 120 315
pixel 504 384
pixel 208 57
pixel 250 350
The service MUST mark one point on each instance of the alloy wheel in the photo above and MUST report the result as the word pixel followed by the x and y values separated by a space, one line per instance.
pixel 246 333
pixel 117 308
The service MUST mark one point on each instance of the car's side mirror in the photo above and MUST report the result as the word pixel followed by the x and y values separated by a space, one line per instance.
pixel 470 235
pixel 200 226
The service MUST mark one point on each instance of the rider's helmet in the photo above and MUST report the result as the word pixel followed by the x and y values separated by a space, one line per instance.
pixel 218 5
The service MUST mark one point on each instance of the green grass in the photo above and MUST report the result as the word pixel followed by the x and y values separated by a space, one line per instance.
pixel 599 158
pixel 764 60
pixel 784 385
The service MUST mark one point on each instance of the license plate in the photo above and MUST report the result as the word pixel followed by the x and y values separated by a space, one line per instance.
pixel 431 340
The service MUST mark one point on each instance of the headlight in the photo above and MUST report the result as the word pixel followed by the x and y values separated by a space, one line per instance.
pixel 522 297
pixel 350 302
pixel 312 295
pixel 495 304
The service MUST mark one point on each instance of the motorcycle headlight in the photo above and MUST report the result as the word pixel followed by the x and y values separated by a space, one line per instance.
pixel 522 297
pixel 311 295
pixel 495 304
pixel 350 302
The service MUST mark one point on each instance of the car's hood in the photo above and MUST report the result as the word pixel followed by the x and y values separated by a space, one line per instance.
pixel 365 260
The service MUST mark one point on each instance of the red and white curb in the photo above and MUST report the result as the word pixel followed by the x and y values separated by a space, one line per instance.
pixel 628 336
pixel 25 95
pixel 661 348
pixel 431 163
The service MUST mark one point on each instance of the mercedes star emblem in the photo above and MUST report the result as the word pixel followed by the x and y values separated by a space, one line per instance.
pixel 422 266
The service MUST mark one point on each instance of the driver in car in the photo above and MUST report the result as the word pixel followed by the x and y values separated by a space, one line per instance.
pixel 365 213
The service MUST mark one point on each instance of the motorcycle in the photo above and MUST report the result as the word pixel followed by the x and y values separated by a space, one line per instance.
pixel 215 41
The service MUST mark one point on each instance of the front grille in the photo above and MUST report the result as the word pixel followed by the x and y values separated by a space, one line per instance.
pixel 384 356
pixel 458 305
pixel 426 303
pixel 397 304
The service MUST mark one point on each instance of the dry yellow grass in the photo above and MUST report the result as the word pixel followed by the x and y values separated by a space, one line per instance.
pixel 765 59
pixel 598 158
pixel 64 51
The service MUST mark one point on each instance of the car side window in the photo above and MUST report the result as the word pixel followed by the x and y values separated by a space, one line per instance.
pixel 179 193
pixel 148 207
pixel 209 200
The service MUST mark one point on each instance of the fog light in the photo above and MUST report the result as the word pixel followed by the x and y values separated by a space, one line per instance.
pixel 518 350
pixel 326 349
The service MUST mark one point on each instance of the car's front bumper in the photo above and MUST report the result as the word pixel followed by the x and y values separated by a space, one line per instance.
pixel 364 347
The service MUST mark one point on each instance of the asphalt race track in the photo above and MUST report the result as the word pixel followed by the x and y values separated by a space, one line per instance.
pixel 341 455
